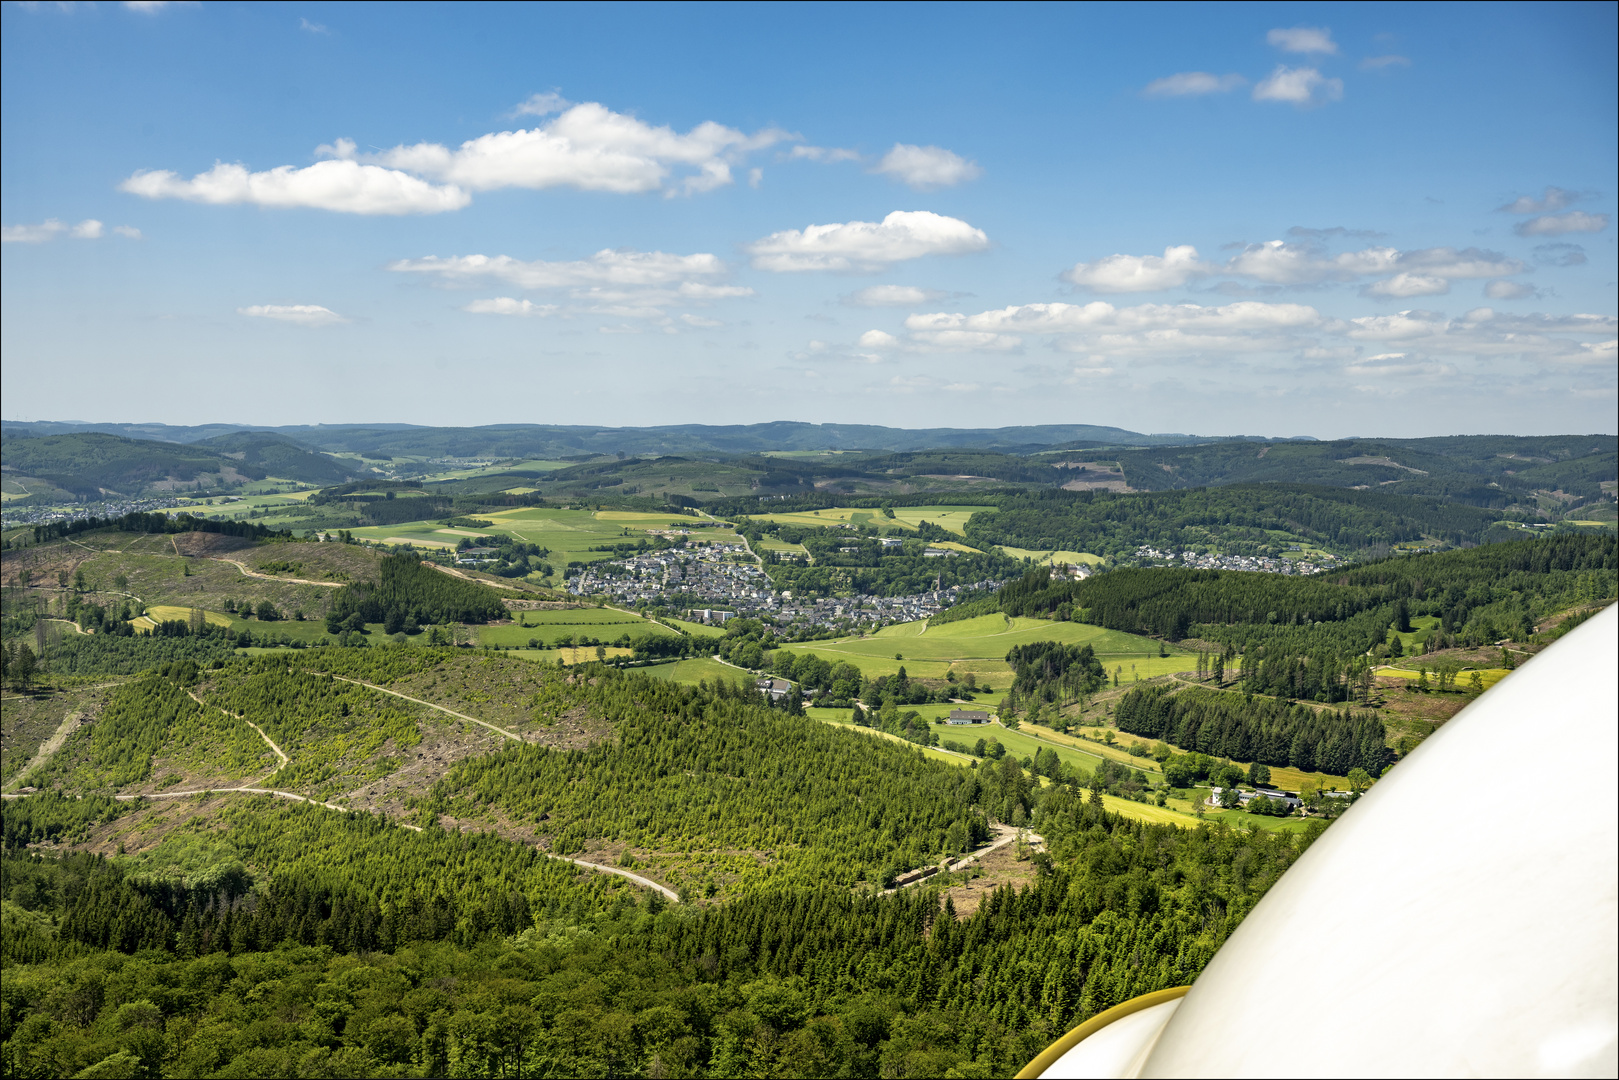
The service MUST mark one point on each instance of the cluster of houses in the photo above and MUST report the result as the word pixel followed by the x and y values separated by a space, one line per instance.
pixel 1263 564
pixel 731 589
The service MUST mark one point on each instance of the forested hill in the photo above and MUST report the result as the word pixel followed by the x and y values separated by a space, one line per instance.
pixel 1483 593
pixel 359 949
pixel 1237 520
pixel 411 591
pixel 92 465
pixel 1482 470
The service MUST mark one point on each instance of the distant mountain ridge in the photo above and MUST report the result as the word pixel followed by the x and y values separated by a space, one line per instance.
pixel 554 441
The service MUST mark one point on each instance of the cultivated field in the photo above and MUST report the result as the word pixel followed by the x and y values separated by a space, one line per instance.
pixel 952 518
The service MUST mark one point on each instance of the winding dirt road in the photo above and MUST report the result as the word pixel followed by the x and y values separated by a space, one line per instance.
pixel 242 566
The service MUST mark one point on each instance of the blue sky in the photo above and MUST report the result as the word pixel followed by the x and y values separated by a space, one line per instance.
pixel 1269 219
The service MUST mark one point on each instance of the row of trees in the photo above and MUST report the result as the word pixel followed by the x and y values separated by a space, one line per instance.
pixel 1231 726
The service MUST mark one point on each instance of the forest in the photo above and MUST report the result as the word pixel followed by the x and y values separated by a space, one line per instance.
pixel 439 954
pixel 1241 519
pixel 409 591
pixel 1257 729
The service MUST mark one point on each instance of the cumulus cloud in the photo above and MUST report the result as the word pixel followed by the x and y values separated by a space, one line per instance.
pixel 1139 273
pixel 1501 289
pixel 297 314
pixel 1056 318
pixel 1298 86
pixel 606 267
pixel 892 296
pixel 827 154
pixel 865 246
pixel 312 27
pixel 1383 63
pixel 878 339
pixel 1404 285
pixel 1558 224
pixel 1554 198
pixel 587 146
pixel 507 305
pixel 1192 84
pixel 927 167
pixel 1559 254
pixel 1332 232
pixel 1303 39
pixel 341 185
pixel 51 228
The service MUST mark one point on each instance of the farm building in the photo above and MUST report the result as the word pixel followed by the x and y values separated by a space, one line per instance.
pixel 967 716
pixel 774 689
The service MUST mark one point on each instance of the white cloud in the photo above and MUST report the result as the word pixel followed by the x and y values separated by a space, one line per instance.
pixel 700 322
pixel 1140 273
pixel 1540 323
pixel 634 285
pixel 1298 86
pixel 1244 315
pixel 927 167
pixel 1558 224
pixel 589 147
pixel 1554 198
pixel 146 7
pixel 865 246
pixel 298 314
pixel 606 267
pixel 1303 39
pixel 1602 354
pixel 1501 289
pixel 892 296
pixel 88 229
pixel 966 341
pixel 755 177
pixel 1192 84
pixel 312 27
pixel 879 339
pixel 1404 285
pixel 507 305
pixel 1383 63
pixel 340 185
pixel 828 154
pixel 542 104
pixel 1277 262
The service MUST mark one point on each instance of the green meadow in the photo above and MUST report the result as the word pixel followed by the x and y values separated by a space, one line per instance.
pixel 980 646
pixel 952 518
pixel 551 625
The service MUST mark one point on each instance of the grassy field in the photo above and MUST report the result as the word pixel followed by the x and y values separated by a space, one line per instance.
pixel 1488 676
pixel 568 534
pixel 951 518
pixel 843 718
pixel 550 625
pixel 1053 556
pixel 157 613
pixel 980 646
pixel 700 669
